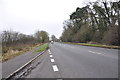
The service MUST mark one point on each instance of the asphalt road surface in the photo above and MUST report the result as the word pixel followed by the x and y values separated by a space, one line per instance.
pixel 75 61
pixel 11 65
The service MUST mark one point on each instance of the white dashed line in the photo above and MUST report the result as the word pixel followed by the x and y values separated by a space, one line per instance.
pixel 99 53
pixel 55 68
pixel 52 60
pixel 95 52
pixel 59 79
pixel 91 51
pixel 48 50
pixel 51 55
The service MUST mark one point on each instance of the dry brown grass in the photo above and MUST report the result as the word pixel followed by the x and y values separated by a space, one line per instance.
pixel 16 51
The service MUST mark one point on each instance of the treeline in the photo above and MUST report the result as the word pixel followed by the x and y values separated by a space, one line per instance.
pixel 12 40
pixel 53 38
pixel 97 22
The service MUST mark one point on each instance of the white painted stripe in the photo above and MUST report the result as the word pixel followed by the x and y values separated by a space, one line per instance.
pixel 91 51
pixel 55 68
pixel 51 55
pixel 99 53
pixel 49 52
pixel 95 52
pixel 59 79
pixel 52 60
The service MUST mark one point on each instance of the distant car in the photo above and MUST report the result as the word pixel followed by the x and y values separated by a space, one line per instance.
pixel 51 42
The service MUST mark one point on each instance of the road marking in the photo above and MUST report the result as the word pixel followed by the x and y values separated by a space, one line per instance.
pixel 55 68
pixel 95 52
pixel 91 51
pixel 51 55
pixel 52 60
pixel 59 79
pixel 99 53
pixel 48 50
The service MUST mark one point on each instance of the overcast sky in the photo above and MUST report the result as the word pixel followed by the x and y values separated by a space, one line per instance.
pixel 28 16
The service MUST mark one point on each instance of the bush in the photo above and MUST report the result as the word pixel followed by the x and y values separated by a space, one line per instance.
pixel 111 37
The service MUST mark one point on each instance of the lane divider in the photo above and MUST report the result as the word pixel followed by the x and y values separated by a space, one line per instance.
pixel 55 68
pixel 50 53
pixel 95 52
pixel 99 53
pixel 51 56
pixel 52 60
pixel 49 50
pixel 91 51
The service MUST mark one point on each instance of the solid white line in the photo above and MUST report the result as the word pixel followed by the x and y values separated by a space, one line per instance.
pixel 51 55
pixel 55 68
pixel 52 60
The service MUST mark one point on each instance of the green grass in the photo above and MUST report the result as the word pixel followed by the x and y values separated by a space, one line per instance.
pixel 95 45
pixel 42 48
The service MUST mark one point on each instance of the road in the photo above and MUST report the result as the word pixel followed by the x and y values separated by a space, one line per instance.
pixel 11 65
pixel 75 61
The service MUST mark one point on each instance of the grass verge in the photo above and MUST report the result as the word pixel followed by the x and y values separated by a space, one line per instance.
pixel 95 45
pixel 42 48
pixel 13 53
